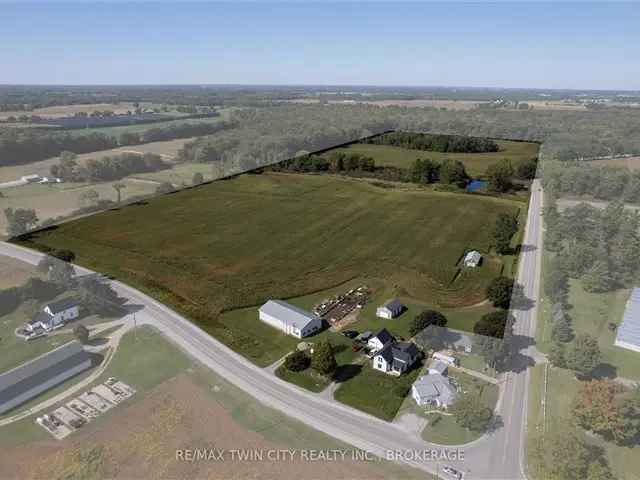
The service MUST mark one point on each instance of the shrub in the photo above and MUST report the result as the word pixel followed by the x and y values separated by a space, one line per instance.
pixel 297 361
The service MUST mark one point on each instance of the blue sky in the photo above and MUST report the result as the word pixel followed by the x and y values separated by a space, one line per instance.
pixel 543 45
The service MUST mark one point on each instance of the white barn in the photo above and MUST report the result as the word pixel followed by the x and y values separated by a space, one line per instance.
pixel 472 259
pixel 289 318
pixel 391 309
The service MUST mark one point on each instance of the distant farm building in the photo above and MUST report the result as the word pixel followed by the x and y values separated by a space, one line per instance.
pixel 54 315
pixel 391 309
pixel 42 373
pixel 629 330
pixel 472 259
pixel 289 318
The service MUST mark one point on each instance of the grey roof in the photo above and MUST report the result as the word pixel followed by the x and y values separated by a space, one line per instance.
pixel 629 329
pixel 287 313
pixel 34 372
pixel 62 305
pixel 384 336
pixel 435 386
pixel 43 317
pixel 399 353
pixel 473 256
pixel 439 366
pixel 393 304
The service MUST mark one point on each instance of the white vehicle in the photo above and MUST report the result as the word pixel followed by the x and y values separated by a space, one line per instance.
pixel 452 472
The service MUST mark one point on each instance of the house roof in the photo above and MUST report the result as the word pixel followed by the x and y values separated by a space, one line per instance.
pixel 288 314
pixel 435 386
pixel 401 352
pixel 34 372
pixel 384 336
pixel 393 304
pixel 439 366
pixel 629 329
pixel 62 305
pixel 473 256
pixel 40 317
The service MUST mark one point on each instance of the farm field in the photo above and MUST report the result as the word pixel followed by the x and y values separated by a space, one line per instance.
pixel 475 163
pixel 237 242
pixel 632 163
pixel 70 110
pixel 14 272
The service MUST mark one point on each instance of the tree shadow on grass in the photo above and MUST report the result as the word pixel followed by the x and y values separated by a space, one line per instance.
pixel 346 372
pixel 605 371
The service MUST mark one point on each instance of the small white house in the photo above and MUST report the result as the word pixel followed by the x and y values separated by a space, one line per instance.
pixel 380 340
pixel 391 309
pixel 443 357
pixel 289 318
pixel 396 358
pixel 435 390
pixel 472 259
pixel 55 315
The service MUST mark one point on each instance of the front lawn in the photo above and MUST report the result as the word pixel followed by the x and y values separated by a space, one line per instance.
pixel 375 392
pixel 309 378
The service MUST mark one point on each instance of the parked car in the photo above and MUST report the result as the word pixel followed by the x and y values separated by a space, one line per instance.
pixel 452 472
pixel 350 333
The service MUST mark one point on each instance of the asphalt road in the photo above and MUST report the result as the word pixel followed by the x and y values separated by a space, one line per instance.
pixel 498 455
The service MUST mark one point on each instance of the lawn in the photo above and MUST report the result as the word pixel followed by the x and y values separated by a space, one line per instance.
pixel 475 163
pixel 237 242
pixel 591 313
pixel 376 392
pixel 308 378
pixel 443 429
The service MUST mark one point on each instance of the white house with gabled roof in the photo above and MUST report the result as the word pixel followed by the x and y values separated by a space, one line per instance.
pixel 289 318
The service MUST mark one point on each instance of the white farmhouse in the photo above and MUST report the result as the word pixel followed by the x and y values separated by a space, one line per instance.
pixel 391 309
pixel 55 315
pixel 380 340
pixel 289 318
pixel 472 259
pixel 396 357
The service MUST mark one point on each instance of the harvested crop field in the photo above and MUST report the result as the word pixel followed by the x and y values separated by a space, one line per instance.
pixel 141 440
pixel 240 241
pixel 632 163
pixel 475 163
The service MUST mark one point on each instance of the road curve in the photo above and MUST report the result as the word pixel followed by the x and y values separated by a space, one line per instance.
pixel 496 456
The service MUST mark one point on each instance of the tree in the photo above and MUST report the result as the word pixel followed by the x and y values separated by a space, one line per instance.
pixel 453 172
pixel 561 330
pixel 89 198
pixel 527 170
pixel 61 272
pixel 20 220
pixel 81 333
pixel 426 318
pixel 505 228
pixel 197 179
pixel 323 359
pixel 583 355
pixel 297 361
pixel 557 355
pixel 499 176
pixel 118 188
pixel 556 283
pixel 499 291
pixel 469 412
pixel 164 187
pixel 98 297
pixel 492 324
pixel 594 407
pixel 598 278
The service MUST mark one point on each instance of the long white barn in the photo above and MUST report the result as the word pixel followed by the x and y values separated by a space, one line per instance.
pixel 629 330
pixel 289 318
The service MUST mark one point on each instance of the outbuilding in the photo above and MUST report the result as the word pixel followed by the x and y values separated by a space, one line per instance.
pixel 628 335
pixel 435 390
pixel 289 318
pixel 472 259
pixel 391 309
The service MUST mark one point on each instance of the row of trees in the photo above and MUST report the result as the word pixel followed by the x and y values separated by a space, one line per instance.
pixel 436 143
pixel 21 146
pixel 448 171
pixel 107 168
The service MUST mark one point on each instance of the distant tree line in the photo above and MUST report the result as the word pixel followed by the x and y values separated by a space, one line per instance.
pixel 435 143
pixel 21 146
pixel 107 168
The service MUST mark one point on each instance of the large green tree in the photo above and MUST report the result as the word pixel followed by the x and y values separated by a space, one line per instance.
pixel 20 220
pixel 470 413
pixel 499 176
pixel 323 359
pixel 583 355
pixel 505 228
pixel 499 291
pixel 426 318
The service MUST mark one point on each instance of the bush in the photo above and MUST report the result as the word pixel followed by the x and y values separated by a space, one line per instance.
pixel 492 324
pixel 297 361
pixel 426 318
pixel 499 291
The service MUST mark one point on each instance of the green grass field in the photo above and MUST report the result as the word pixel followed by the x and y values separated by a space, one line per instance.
pixel 475 163
pixel 237 242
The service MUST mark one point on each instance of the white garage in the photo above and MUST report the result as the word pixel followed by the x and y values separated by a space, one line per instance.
pixel 289 318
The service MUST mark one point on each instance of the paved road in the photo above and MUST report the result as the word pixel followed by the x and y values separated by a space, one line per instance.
pixel 496 456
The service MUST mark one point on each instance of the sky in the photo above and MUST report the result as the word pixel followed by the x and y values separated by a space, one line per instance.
pixel 528 45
